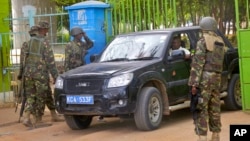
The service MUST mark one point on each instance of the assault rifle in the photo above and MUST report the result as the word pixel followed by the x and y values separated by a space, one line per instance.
pixel 195 100
pixel 18 95
pixel 21 92
pixel 23 99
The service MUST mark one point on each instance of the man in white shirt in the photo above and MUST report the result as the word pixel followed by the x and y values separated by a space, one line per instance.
pixel 176 45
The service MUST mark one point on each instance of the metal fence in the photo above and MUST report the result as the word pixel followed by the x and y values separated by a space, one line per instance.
pixel 127 16
pixel 11 43
pixel 243 33
pixel 137 15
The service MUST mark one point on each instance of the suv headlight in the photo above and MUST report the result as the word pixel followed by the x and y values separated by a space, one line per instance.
pixel 120 80
pixel 59 83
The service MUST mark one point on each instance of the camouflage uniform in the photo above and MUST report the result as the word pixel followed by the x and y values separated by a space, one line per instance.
pixel 39 61
pixel 49 101
pixel 33 32
pixel 205 74
pixel 75 52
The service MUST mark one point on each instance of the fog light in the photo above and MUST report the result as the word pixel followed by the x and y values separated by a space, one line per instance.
pixel 120 102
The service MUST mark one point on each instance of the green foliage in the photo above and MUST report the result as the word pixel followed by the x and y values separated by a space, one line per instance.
pixel 63 37
pixel 233 39
pixel 62 3
pixel 147 14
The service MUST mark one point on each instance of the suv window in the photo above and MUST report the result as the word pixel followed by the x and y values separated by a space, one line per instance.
pixel 134 47
pixel 181 41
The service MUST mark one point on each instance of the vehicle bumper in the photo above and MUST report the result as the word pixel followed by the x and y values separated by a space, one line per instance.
pixel 110 102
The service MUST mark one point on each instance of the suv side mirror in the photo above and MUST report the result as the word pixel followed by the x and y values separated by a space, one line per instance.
pixel 176 54
pixel 93 57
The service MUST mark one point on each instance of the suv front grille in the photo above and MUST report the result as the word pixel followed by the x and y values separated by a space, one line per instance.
pixel 81 85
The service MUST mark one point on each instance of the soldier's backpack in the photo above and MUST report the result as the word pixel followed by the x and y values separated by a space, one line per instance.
pixel 215 58
pixel 35 64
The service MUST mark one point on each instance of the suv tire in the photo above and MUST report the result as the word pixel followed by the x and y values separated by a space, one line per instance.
pixel 149 110
pixel 77 122
pixel 233 99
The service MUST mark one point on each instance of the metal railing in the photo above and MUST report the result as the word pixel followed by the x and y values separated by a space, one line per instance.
pixel 137 15
pixel 126 15
pixel 243 33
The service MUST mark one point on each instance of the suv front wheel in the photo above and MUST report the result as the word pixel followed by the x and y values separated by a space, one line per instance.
pixel 149 110
pixel 77 122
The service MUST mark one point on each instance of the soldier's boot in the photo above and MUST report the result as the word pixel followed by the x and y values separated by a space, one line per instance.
pixel 202 138
pixel 38 119
pixel 215 137
pixel 26 120
pixel 55 117
pixel 39 123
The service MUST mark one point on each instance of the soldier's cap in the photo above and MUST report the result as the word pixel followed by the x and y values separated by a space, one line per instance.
pixel 33 30
pixel 43 24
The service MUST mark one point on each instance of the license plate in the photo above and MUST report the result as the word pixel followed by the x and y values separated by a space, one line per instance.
pixel 79 99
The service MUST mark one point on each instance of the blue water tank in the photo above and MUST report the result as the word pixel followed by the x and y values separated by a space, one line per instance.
pixel 90 15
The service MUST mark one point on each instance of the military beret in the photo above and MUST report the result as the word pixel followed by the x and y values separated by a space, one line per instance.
pixel 43 24
pixel 34 30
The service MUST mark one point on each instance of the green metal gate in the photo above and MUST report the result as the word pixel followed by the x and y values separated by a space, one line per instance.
pixel 127 16
pixel 4 54
pixel 11 42
pixel 243 34
pixel 137 15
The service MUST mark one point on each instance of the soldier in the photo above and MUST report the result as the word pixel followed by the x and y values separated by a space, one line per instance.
pixel 33 32
pixel 76 50
pixel 206 68
pixel 24 53
pixel 39 60
pixel 44 28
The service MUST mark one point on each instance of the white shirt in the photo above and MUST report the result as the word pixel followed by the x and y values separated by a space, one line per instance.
pixel 187 52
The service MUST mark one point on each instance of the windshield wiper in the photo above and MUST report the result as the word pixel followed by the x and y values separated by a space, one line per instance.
pixel 144 58
pixel 117 59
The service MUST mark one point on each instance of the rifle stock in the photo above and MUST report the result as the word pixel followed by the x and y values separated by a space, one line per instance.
pixel 22 107
pixel 23 98
pixel 19 94
pixel 22 89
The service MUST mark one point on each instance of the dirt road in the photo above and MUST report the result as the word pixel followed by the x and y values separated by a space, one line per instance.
pixel 176 127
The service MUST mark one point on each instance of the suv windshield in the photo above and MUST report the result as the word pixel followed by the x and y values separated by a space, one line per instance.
pixel 136 47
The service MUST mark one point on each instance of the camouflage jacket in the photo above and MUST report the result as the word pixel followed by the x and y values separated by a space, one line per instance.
pixel 203 61
pixel 75 52
pixel 39 60
pixel 22 57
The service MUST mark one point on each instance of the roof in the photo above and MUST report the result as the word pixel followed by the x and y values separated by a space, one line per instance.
pixel 87 4
pixel 163 30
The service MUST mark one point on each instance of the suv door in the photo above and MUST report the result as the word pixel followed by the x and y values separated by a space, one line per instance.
pixel 178 70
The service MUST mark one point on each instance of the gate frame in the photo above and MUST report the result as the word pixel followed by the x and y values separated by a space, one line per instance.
pixel 244 56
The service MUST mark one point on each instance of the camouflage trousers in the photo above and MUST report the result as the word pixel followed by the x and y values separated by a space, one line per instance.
pixel 49 102
pixel 36 93
pixel 209 106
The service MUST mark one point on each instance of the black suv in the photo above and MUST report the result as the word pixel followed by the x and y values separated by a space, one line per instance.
pixel 136 76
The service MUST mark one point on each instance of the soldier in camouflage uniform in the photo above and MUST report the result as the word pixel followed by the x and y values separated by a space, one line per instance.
pixel 205 74
pixel 39 60
pixel 44 27
pixel 76 50
pixel 33 32
pixel 24 53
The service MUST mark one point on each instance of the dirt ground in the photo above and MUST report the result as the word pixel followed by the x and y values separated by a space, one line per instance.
pixel 176 127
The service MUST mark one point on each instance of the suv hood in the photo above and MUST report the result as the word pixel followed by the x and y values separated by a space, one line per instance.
pixel 108 68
